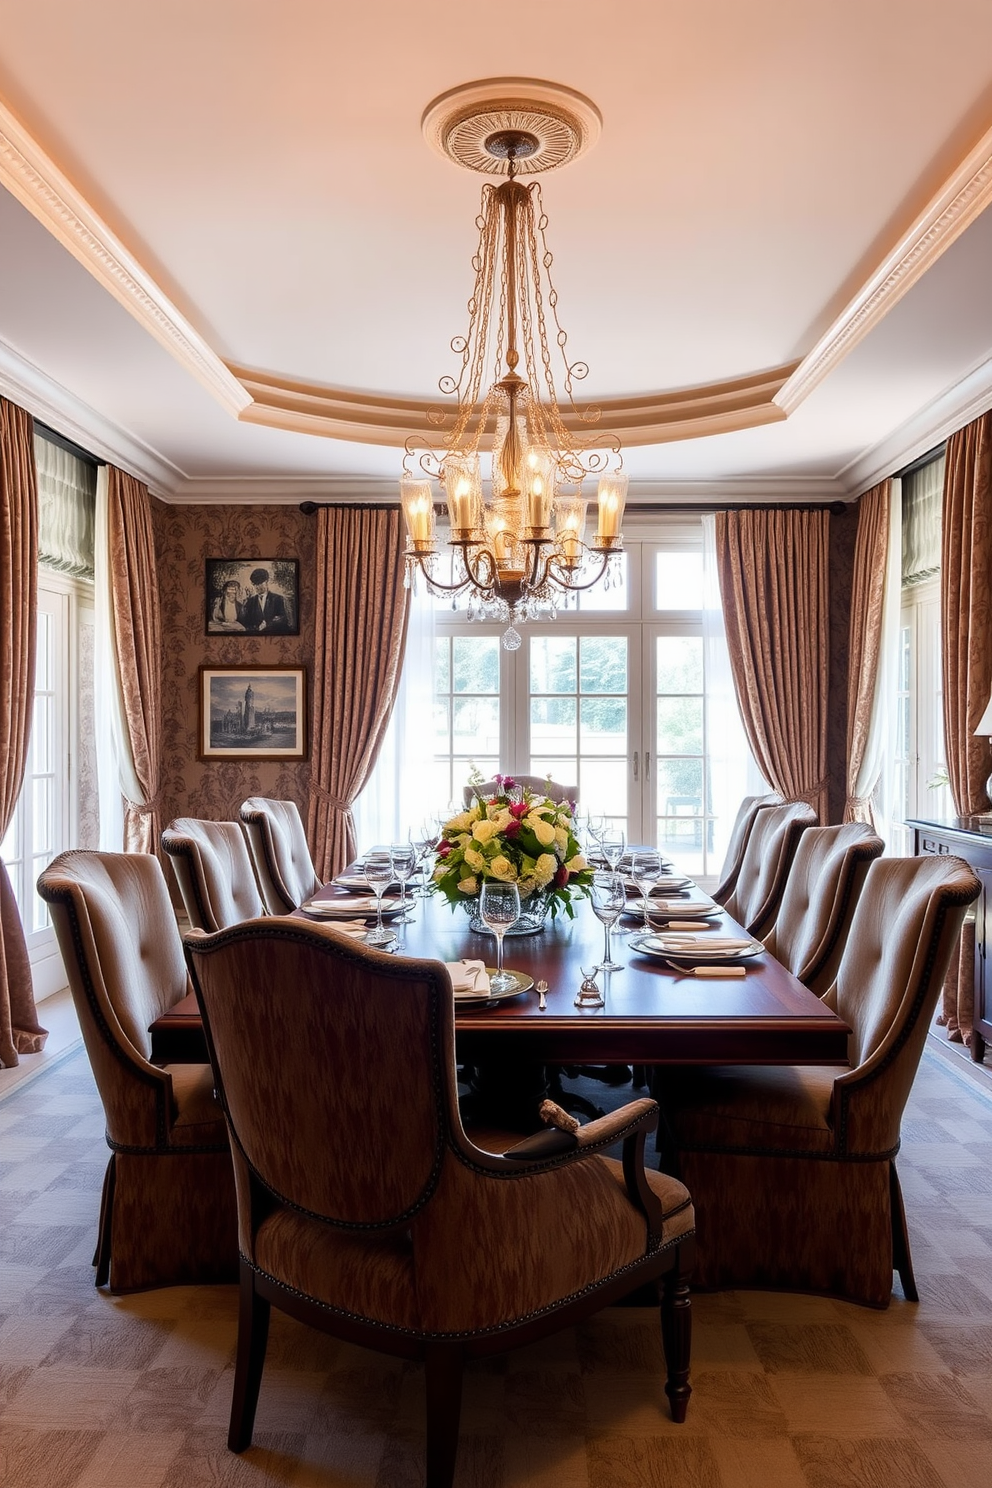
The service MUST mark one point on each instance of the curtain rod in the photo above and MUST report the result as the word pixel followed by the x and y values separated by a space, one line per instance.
pixel 634 508
pixel 69 445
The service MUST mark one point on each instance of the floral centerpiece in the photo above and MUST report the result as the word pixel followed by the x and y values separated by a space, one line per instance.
pixel 516 836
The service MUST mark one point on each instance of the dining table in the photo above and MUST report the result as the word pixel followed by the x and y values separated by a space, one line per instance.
pixel 652 1014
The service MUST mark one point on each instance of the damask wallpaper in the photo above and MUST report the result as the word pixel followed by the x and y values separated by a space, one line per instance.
pixel 185 536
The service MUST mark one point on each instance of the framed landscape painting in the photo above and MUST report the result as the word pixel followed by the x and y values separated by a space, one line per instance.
pixel 253 596
pixel 253 713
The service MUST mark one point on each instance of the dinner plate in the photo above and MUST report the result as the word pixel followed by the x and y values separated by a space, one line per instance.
pixel 350 909
pixel 669 883
pixel 481 999
pixel 358 883
pixel 701 912
pixel 652 945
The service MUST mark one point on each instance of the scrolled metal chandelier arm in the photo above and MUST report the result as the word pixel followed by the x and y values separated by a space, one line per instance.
pixel 521 543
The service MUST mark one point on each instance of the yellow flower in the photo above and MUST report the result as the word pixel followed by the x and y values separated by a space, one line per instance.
pixel 468 885
pixel 545 869
pixel 460 823
pixel 503 869
pixel 577 864
pixel 501 819
pixel 543 831
pixel 474 859
pixel 484 830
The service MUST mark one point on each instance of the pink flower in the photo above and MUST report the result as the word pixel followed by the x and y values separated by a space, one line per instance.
pixel 443 849
pixel 512 829
pixel 519 810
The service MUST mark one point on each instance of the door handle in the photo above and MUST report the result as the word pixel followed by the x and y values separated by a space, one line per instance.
pixel 636 763
pixel 647 764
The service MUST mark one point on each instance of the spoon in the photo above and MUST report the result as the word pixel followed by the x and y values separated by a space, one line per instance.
pixel 542 999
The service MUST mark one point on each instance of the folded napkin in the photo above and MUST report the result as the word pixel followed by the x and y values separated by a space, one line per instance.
pixel 469 978
pixel 354 932
pixel 679 906
pixel 704 942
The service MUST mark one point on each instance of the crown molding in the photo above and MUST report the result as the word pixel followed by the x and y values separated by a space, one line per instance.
pixel 370 418
pixel 963 197
pixel 956 406
pixel 35 180
pixel 30 388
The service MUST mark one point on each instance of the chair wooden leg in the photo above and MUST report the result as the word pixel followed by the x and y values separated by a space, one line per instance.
pixel 676 1337
pixel 901 1258
pixel 101 1259
pixel 443 1368
pixel 253 1335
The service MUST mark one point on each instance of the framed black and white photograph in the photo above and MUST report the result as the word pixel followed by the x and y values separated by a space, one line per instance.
pixel 253 713
pixel 253 596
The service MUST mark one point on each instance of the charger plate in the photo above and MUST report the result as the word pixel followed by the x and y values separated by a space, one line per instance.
pixel 651 945
pixel 483 999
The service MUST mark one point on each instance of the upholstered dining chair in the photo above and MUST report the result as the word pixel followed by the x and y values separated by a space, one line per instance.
pixel 214 871
pixel 168 1210
pixel 792 1169
pixel 281 854
pixel 739 833
pixel 366 1210
pixel 771 847
pixel 821 894
pixel 540 784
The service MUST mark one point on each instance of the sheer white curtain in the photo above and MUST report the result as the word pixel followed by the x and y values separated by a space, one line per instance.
pixel 876 778
pixel 397 796
pixel 116 775
pixel 733 773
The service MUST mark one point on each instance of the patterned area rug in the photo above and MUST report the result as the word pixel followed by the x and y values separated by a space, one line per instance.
pixel 789 1391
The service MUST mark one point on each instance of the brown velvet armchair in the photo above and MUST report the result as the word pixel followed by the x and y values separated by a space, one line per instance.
pixel 739 833
pixel 213 869
pixel 771 847
pixel 280 852
pixel 820 898
pixel 168 1209
pixel 366 1210
pixel 792 1170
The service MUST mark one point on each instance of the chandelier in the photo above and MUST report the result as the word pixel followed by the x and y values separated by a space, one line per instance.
pixel 518 543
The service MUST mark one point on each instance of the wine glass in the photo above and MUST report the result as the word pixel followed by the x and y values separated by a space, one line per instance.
pixel 403 856
pixel 499 908
pixel 378 872
pixel 609 899
pixel 613 843
pixel 426 840
pixel 645 870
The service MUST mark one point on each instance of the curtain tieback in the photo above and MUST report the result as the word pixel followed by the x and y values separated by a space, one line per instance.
pixel 336 803
pixel 144 808
pixel 812 796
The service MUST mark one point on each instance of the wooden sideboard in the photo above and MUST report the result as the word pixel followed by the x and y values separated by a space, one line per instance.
pixel 969 837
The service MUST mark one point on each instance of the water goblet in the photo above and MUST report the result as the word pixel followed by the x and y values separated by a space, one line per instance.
pixel 609 899
pixel 613 843
pixel 499 908
pixel 378 872
pixel 425 842
pixel 403 856
pixel 645 870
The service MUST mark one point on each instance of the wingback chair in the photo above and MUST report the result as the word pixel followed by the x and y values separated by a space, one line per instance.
pixel 168 1210
pixel 739 833
pixel 365 1209
pixel 821 894
pixel 213 869
pixel 540 784
pixel 281 854
pixel 792 1169
pixel 771 847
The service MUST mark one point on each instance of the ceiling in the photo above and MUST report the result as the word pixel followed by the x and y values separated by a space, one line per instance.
pixel 226 243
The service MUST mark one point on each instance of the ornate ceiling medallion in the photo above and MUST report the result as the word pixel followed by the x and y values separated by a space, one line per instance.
pixel 462 124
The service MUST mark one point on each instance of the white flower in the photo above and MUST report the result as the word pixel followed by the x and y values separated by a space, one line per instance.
pixel 577 864
pixel 503 869
pixel 484 830
pixel 543 831
pixel 561 840
pixel 474 859
pixel 545 869
pixel 460 823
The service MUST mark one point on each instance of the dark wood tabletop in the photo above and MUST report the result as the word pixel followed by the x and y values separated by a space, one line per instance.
pixel 651 1016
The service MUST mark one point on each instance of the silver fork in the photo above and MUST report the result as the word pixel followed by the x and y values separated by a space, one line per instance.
pixel 542 998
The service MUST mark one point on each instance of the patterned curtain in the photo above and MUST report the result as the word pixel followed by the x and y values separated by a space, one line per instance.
pixel 361 621
pixel 966 654
pixel 773 568
pixel 138 636
pixel 20 1031
pixel 871 563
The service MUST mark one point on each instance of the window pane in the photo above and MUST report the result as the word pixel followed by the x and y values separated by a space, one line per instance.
pixel 680 786
pixel 604 726
pixel 476 664
pixel 678 581
pixel 680 663
pixel 552 726
pixel 682 840
pixel 476 727
pixel 603 664
pixel 43 655
pixel 442 664
pixel 611 593
pixel 41 735
pixel 603 789
pixel 442 723
pixel 552 664
pixel 680 725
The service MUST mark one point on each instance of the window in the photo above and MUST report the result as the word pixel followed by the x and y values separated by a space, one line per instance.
pixel 610 696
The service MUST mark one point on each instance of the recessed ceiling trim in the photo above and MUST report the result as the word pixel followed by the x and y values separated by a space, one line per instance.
pixel 368 418
pixel 962 198
pixel 31 176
